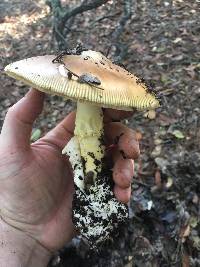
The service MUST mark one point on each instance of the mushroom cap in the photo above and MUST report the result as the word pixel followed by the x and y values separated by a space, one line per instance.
pixel 87 77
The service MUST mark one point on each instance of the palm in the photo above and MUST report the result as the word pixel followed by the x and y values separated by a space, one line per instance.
pixel 41 192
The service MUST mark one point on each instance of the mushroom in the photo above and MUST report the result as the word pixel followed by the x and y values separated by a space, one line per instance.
pixel 94 82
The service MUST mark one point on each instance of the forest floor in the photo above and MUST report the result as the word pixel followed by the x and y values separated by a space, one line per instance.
pixel 162 42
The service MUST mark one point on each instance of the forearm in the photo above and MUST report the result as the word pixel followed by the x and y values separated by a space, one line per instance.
pixel 19 250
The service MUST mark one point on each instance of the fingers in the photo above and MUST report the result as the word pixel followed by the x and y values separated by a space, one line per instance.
pixel 123 171
pixel 123 195
pixel 126 149
pixel 18 122
pixel 124 138
pixel 62 133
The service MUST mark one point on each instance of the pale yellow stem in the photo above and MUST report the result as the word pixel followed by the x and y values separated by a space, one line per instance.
pixel 89 131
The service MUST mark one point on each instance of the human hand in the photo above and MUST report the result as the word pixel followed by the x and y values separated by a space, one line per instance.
pixel 36 181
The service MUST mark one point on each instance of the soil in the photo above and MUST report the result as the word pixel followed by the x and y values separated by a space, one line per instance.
pixel 161 41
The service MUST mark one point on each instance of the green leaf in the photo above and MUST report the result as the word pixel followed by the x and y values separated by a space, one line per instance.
pixel 36 135
pixel 193 221
pixel 178 134
pixel 159 49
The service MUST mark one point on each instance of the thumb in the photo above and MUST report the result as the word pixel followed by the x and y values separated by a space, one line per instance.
pixel 19 119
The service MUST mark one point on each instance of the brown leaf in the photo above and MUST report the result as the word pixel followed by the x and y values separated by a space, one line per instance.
pixel 138 135
pixel 185 260
pixel 158 178
pixel 191 71
pixel 165 120
pixel 185 231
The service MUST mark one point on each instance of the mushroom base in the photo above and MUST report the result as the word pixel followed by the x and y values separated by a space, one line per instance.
pixel 96 214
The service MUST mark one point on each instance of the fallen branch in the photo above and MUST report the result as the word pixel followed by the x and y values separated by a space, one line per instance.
pixel 82 8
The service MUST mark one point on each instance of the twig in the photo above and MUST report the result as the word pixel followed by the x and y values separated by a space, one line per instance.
pixel 82 8
pixel 63 15
pixel 105 17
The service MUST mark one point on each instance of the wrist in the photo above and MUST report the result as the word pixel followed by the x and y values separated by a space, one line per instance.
pixel 19 249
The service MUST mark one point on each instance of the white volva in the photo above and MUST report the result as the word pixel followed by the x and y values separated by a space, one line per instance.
pixel 72 149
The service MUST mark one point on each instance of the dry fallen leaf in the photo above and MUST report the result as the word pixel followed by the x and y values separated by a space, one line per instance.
pixel 138 135
pixel 169 182
pixel 185 260
pixel 158 178
pixel 185 231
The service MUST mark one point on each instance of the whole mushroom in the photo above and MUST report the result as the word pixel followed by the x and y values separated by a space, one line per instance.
pixel 94 82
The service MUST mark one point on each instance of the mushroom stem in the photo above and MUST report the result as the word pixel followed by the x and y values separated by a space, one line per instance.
pixel 89 131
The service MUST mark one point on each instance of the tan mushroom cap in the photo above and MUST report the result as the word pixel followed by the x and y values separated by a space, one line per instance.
pixel 118 89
